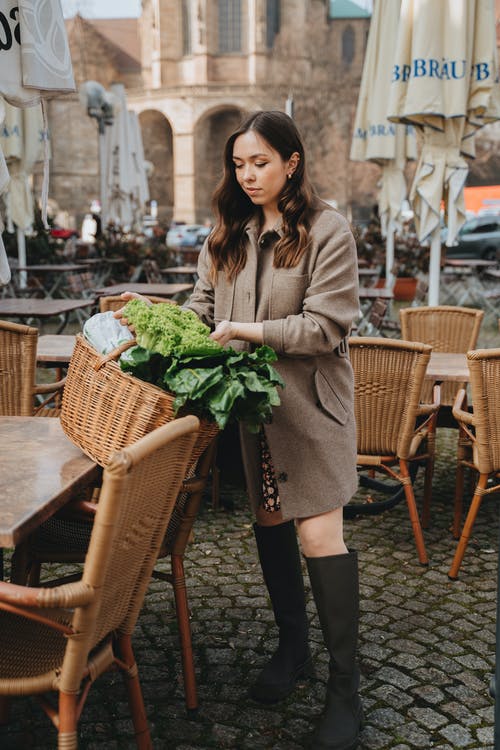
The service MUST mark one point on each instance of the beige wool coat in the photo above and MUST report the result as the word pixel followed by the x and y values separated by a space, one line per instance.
pixel 307 312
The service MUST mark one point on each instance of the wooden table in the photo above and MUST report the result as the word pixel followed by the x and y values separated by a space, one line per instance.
pixel 157 290
pixel 470 263
pixel 371 293
pixel 447 366
pixel 58 269
pixel 15 307
pixel 55 350
pixel 52 469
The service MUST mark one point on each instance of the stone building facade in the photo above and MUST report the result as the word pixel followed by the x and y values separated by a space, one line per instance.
pixel 195 68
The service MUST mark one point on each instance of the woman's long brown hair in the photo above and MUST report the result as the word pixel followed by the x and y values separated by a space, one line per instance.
pixel 233 208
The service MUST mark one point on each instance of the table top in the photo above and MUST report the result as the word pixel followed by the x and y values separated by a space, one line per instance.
pixel 160 290
pixel 56 348
pixel 470 262
pixel 52 469
pixel 54 267
pixel 494 272
pixel 40 308
pixel 180 269
pixel 448 366
pixel 371 292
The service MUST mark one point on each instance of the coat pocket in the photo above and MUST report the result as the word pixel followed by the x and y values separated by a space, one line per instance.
pixel 328 400
pixel 287 294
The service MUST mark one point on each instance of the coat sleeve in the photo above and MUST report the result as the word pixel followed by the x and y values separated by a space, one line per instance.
pixel 201 300
pixel 331 300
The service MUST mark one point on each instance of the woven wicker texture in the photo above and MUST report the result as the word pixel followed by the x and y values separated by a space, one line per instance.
pixel 17 368
pixel 18 664
pixel 115 302
pixel 105 409
pixel 18 346
pixel 139 490
pixel 479 443
pixel 388 378
pixel 447 329
pixel 484 367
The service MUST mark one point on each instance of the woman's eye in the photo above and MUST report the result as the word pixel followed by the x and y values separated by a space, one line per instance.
pixel 237 166
pixel 260 163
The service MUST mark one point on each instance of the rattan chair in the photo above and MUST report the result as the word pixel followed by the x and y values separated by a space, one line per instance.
pixel 18 387
pixel 447 329
pixel 114 302
pixel 64 538
pixel 388 379
pixel 62 638
pixel 479 443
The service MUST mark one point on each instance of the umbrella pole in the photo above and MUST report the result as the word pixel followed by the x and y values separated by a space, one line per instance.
pixel 389 255
pixel 102 176
pixel 21 254
pixel 434 268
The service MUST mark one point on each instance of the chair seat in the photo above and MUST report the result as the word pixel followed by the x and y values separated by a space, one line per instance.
pixel 32 654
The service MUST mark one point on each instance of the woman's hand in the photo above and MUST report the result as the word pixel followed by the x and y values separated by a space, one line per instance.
pixel 227 330
pixel 224 332
pixel 126 297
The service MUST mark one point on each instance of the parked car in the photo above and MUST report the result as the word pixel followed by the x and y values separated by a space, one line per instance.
pixel 479 238
pixel 186 235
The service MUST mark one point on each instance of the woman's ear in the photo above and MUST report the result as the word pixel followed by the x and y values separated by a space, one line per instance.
pixel 292 163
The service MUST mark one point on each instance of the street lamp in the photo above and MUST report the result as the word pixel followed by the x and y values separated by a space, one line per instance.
pixel 99 104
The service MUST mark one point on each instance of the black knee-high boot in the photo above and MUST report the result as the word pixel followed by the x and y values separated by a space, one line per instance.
pixel 281 565
pixel 334 582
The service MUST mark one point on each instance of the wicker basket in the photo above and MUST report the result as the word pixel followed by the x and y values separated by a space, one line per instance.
pixel 105 409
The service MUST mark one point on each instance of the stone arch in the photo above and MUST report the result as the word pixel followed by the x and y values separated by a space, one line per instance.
pixel 157 140
pixel 210 135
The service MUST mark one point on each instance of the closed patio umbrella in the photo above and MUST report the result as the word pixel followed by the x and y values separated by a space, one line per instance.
pixel 127 184
pixel 35 64
pixel 374 137
pixel 443 81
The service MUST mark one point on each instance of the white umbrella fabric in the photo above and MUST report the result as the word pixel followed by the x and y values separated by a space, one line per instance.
pixel 35 64
pixel 443 82
pixel 374 137
pixel 126 177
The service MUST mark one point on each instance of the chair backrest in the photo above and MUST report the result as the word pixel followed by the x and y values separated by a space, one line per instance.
pixel 140 487
pixel 484 367
pixel 114 302
pixel 388 379
pixel 18 345
pixel 447 329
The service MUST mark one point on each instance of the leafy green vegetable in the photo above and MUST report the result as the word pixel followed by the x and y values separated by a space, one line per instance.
pixel 176 354
pixel 169 330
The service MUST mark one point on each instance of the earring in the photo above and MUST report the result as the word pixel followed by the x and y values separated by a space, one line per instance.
pixel 290 175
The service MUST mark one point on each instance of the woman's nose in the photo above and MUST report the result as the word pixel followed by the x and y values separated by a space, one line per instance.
pixel 248 173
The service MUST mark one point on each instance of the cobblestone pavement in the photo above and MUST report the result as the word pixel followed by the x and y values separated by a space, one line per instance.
pixel 426 648
pixel 426 643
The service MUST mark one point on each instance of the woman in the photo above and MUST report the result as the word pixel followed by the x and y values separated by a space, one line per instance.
pixel 279 268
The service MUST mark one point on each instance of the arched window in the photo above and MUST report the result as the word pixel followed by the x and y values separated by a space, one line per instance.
pixel 229 26
pixel 348 45
pixel 273 20
pixel 187 46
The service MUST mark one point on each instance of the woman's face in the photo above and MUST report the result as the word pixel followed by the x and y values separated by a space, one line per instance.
pixel 260 170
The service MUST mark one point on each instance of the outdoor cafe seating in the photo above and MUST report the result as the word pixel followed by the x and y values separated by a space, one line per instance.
pixel 62 637
pixel 479 443
pixel 447 329
pixel 18 387
pixel 97 403
pixel 388 380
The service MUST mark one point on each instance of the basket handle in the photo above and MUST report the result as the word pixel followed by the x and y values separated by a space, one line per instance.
pixel 115 354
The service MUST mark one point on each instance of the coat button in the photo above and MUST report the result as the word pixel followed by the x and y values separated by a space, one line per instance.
pixel 282 476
